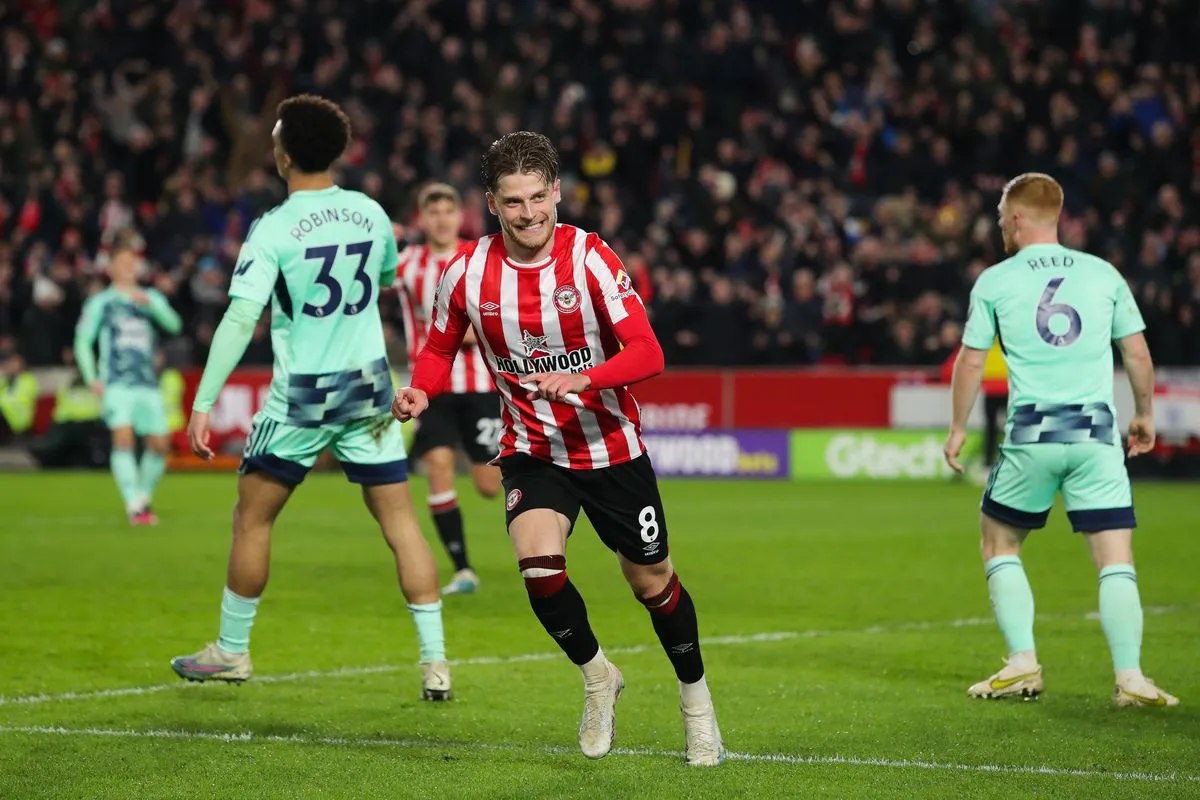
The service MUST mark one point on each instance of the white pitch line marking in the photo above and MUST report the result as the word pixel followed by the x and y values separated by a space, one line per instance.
pixel 760 758
pixel 378 669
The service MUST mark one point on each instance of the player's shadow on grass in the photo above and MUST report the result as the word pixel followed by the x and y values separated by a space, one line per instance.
pixel 1141 724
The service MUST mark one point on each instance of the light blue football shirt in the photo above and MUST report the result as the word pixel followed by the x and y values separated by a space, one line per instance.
pixel 320 259
pixel 1056 312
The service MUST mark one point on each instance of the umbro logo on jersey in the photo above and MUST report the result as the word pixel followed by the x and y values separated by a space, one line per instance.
pixel 490 309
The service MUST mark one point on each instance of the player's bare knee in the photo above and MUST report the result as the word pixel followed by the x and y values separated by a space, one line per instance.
pixel 539 532
pixel 260 499
pixel 999 539
pixel 387 497
pixel 665 599
pixel 648 581
pixel 993 548
pixel 439 468
pixel 123 439
pixel 246 522
pixel 1109 548
pixel 391 507
pixel 487 486
pixel 159 444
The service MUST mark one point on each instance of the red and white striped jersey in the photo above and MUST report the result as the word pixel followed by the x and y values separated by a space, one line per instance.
pixel 554 316
pixel 417 278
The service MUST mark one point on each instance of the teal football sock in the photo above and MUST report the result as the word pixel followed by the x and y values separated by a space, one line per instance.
pixel 237 617
pixel 125 472
pixel 150 473
pixel 428 618
pixel 1012 601
pixel 1121 615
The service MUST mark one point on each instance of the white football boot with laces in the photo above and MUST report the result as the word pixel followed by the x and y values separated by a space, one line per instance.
pixel 704 747
pixel 598 728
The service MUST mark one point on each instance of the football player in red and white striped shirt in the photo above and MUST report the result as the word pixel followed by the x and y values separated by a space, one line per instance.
pixel 468 414
pixel 564 334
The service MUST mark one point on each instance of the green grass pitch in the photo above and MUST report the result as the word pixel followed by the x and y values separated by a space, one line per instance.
pixel 842 624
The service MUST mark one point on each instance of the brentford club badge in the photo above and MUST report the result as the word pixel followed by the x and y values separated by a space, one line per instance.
pixel 513 498
pixel 566 299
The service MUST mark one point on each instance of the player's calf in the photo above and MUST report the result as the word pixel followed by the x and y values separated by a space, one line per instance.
pixel 559 607
pixel 1121 617
pixel 391 506
pixel 448 520
pixel 487 480
pixel 151 468
pixel 673 615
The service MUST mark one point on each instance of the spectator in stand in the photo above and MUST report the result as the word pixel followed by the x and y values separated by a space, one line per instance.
pixel 741 143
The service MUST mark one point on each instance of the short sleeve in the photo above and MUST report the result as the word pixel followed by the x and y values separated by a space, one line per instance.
pixel 257 267
pixel 980 330
pixel 1127 319
pixel 613 294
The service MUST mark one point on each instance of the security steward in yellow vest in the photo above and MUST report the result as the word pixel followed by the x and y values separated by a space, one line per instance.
pixel 77 437
pixel 18 394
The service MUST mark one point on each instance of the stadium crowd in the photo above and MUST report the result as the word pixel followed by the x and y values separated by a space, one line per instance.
pixel 788 181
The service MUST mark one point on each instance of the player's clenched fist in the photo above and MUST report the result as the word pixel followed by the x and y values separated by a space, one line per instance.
pixel 1141 435
pixel 409 404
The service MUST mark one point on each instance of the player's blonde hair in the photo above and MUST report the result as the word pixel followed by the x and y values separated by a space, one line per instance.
pixel 438 191
pixel 1037 193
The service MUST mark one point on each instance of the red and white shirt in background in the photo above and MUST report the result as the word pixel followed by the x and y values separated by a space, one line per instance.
pixel 417 278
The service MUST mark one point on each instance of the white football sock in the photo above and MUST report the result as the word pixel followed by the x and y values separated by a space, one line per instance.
pixel 695 695
pixel 596 670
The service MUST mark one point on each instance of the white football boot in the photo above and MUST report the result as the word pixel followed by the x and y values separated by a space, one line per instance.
pixel 1141 691
pixel 435 681
pixel 598 728
pixel 213 664
pixel 465 581
pixel 704 747
pixel 1011 681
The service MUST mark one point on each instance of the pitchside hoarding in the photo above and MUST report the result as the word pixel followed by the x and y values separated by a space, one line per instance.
pixel 719 453
pixel 822 424
pixel 873 454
